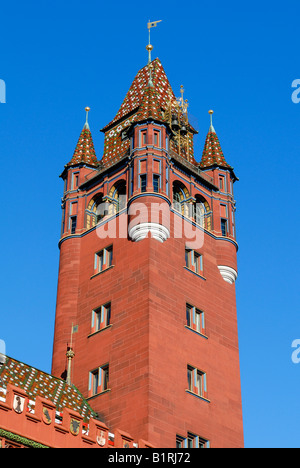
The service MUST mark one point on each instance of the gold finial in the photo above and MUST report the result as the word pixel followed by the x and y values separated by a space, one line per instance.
pixel 87 110
pixel 211 128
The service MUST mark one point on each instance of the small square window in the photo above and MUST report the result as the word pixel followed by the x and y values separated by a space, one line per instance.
pixel 194 261
pixel 103 259
pixel 195 319
pixel 191 441
pixel 101 317
pixel 196 381
pixel 99 380
pixel 195 441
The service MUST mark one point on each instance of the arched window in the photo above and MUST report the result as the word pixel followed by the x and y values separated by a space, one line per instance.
pixel 201 212
pixel 180 196
pixel 95 211
pixel 117 197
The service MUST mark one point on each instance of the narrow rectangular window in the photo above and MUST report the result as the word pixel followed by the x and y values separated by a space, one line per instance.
pixel 156 182
pixel 75 180
pixel 144 137
pixel 179 441
pixel 156 138
pixel 224 227
pixel 73 224
pixel 143 182
pixel 222 183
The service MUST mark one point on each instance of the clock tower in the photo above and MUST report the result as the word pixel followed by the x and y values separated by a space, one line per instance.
pixel 148 264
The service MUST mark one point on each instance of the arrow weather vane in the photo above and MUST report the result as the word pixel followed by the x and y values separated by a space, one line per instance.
pixel 151 24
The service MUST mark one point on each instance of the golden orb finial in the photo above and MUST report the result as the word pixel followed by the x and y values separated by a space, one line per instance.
pixel 210 112
pixel 87 109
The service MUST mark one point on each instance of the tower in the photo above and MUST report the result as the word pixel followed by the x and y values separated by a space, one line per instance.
pixel 148 263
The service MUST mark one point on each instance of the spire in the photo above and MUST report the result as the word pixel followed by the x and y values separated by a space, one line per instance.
pixel 212 153
pixel 85 151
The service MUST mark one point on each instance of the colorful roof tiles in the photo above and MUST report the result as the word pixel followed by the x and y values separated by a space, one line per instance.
pixel 37 383
pixel 212 153
pixel 84 151
pixel 136 91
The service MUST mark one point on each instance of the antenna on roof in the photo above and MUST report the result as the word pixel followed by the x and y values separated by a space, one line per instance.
pixel 149 47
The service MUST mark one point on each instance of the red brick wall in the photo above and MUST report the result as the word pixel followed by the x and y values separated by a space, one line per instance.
pixel 148 346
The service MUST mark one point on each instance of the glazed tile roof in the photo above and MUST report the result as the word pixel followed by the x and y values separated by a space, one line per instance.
pixel 84 151
pixel 149 107
pixel 146 98
pixel 37 383
pixel 136 91
pixel 212 153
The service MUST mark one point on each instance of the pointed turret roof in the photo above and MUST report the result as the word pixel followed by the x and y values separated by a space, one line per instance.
pixel 134 96
pixel 85 151
pixel 212 153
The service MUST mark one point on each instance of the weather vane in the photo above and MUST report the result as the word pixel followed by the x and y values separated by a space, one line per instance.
pixel 149 47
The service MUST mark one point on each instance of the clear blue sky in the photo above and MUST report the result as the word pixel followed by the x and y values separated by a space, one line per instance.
pixel 238 58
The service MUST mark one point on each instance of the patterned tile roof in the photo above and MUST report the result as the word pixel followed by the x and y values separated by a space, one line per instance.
pixel 136 91
pixel 212 153
pixel 145 99
pixel 84 151
pixel 37 383
pixel 149 107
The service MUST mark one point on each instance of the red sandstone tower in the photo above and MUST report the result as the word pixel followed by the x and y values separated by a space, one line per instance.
pixel 147 271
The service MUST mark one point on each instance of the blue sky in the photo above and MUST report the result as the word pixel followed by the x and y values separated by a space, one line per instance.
pixel 237 58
